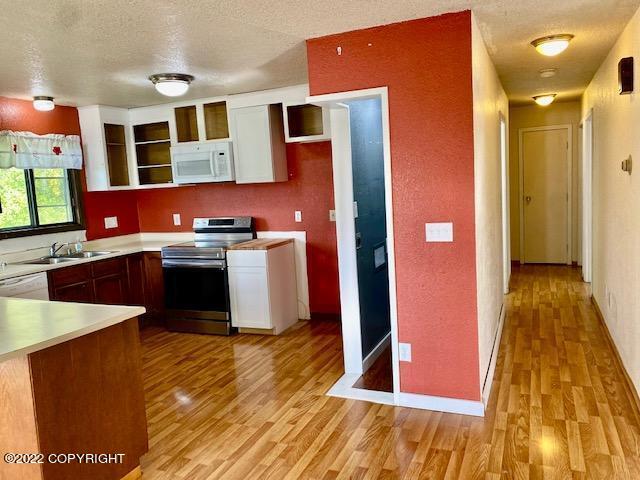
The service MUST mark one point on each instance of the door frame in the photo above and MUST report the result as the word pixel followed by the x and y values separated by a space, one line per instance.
pixel 587 196
pixel 505 201
pixel 521 132
pixel 345 230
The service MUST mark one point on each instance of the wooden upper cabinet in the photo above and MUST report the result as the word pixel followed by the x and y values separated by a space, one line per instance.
pixel 306 123
pixel 117 162
pixel 215 120
pixel 258 144
pixel 186 124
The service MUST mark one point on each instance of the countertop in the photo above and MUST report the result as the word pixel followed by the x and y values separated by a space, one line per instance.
pixel 117 246
pixel 261 244
pixel 27 326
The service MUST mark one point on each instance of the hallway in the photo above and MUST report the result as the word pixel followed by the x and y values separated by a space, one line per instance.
pixel 254 407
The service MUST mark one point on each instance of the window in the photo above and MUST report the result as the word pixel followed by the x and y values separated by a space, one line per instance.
pixel 38 201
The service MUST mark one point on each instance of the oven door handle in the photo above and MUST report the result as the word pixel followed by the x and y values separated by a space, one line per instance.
pixel 215 264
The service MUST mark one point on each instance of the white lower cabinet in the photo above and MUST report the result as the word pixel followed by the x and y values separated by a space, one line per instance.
pixel 262 288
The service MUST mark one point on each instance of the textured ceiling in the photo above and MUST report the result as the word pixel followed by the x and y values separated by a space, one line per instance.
pixel 86 51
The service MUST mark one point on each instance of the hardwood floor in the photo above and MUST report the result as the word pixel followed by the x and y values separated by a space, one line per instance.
pixel 252 407
pixel 379 377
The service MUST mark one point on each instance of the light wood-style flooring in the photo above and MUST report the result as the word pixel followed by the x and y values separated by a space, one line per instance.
pixel 252 407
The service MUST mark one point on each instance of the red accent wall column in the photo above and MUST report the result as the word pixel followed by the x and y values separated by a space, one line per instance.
pixel 426 65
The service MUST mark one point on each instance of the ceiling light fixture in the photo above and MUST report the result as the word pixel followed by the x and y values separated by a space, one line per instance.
pixel 43 103
pixel 171 84
pixel 553 44
pixel 548 72
pixel 544 100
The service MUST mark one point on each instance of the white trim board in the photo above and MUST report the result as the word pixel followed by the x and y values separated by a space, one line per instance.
pixel 376 352
pixel 488 379
pixel 343 195
pixel 587 197
pixel 302 279
pixel 343 389
pixel 521 131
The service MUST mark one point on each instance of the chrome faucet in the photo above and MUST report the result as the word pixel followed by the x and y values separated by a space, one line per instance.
pixel 55 248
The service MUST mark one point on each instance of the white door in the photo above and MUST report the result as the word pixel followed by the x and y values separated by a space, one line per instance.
pixel 545 195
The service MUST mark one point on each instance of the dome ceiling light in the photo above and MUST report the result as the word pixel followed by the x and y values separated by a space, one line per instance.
pixel 171 84
pixel 544 100
pixel 43 103
pixel 553 44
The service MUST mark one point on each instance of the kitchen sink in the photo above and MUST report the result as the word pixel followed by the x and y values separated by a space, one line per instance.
pixel 86 254
pixel 65 258
pixel 49 260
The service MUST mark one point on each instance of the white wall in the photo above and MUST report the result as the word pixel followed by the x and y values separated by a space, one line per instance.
pixel 489 100
pixel 563 113
pixel 616 199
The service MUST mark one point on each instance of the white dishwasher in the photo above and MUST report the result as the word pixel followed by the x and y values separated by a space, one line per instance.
pixel 28 286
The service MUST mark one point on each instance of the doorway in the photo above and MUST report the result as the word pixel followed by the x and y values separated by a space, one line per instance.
pixel 364 225
pixel 545 200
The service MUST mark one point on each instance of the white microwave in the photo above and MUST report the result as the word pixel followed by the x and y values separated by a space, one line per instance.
pixel 202 162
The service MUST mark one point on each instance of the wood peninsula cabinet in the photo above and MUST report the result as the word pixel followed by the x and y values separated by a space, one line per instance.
pixel 70 383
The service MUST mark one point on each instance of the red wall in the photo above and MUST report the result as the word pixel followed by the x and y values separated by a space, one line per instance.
pixel 20 116
pixel 426 65
pixel 309 189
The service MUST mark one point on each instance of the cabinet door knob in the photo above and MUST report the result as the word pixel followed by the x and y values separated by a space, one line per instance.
pixel 527 199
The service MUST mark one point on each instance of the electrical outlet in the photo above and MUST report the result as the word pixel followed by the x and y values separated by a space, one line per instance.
pixel 298 216
pixel 110 222
pixel 332 215
pixel 405 352
pixel 176 219
pixel 439 232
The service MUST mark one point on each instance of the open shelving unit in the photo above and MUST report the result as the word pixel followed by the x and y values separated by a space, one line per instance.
pixel 152 141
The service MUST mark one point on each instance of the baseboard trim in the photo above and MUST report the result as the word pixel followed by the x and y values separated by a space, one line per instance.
pixel 631 391
pixel 441 404
pixel 376 352
pixel 488 379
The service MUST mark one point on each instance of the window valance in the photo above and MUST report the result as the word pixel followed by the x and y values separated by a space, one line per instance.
pixel 28 150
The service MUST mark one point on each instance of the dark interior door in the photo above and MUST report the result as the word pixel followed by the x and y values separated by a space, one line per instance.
pixel 370 223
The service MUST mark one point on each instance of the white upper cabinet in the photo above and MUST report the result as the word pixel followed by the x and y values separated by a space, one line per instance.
pixel 258 144
pixel 257 124
pixel 106 145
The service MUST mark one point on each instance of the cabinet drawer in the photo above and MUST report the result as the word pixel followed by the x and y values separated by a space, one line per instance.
pixel 70 275
pixel 247 258
pixel 111 266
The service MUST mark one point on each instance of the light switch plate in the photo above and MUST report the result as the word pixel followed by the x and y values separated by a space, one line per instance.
pixel 405 352
pixel 298 216
pixel 439 232
pixel 332 215
pixel 176 219
pixel 110 222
